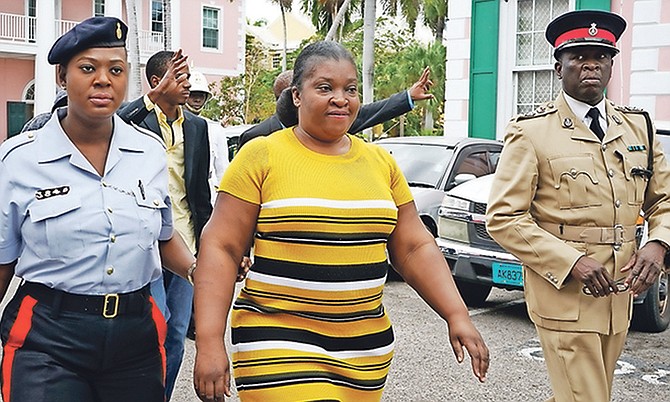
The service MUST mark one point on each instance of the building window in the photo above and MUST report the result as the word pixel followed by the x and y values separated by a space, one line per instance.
pixel 210 28
pixel 99 8
pixel 32 20
pixel 157 16
pixel 534 71
pixel 276 58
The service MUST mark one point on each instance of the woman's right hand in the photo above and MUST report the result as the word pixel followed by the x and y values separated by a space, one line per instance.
pixel 211 374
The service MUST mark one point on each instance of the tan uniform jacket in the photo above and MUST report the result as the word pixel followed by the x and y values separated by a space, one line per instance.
pixel 553 169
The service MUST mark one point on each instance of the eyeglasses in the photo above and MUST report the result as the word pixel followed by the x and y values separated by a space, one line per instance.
pixel 621 286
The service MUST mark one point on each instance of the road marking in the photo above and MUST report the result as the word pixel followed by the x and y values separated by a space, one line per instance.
pixel 497 307
pixel 656 378
pixel 623 367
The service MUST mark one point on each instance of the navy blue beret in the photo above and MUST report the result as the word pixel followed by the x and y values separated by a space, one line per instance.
pixel 93 32
pixel 585 28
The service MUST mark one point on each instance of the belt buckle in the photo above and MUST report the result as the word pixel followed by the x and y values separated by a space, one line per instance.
pixel 111 300
pixel 618 236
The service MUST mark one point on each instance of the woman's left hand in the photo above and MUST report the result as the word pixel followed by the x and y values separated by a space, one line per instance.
pixel 462 333
pixel 243 270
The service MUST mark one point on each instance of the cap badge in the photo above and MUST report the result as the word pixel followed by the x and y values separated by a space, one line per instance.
pixel 567 122
pixel 593 31
pixel 119 34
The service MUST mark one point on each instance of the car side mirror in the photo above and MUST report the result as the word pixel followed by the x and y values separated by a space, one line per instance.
pixel 463 177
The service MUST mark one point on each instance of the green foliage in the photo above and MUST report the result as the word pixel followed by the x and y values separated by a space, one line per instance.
pixel 399 62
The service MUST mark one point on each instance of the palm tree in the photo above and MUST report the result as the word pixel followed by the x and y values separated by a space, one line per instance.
pixel 324 13
pixel 369 18
pixel 409 10
pixel 284 5
pixel 135 83
pixel 435 17
pixel 337 21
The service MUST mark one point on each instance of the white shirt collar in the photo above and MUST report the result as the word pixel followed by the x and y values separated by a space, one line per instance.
pixel 580 109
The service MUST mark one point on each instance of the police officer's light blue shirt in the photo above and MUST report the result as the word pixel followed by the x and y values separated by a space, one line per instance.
pixel 74 230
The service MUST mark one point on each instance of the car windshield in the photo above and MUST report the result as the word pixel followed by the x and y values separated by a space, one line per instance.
pixel 422 164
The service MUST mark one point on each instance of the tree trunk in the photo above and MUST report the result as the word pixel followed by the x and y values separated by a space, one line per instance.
pixel 338 20
pixel 135 81
pixel 369 17
pixel 284 51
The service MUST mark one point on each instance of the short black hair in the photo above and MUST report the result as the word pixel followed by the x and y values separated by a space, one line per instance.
pixel 285 109
pixel 158 63
pixel 306 60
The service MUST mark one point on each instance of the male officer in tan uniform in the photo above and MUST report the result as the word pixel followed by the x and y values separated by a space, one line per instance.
pixel 565 202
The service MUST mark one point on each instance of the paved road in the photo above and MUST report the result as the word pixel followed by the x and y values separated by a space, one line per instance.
pixel 424 368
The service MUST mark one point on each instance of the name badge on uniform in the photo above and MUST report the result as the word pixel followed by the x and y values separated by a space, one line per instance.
pixel 51 192
pixel 636 148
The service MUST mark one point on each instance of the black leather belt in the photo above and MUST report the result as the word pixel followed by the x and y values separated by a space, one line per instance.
pixel 109 305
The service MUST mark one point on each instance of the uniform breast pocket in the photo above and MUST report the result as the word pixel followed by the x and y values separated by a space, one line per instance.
pixel 575 181
pixel 149 211
pixel 636 185
pixel 56 232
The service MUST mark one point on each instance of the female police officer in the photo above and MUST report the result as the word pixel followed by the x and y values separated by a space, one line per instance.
pixel 80 224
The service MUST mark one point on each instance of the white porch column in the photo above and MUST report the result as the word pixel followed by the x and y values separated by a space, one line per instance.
pixel 45 76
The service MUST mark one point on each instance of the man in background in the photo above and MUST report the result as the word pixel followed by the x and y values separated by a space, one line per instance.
pixel 186 138
pixel 218 143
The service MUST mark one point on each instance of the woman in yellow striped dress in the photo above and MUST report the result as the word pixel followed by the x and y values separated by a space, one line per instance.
pixel 324 206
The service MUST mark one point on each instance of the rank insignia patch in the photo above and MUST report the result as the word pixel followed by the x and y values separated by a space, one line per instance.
pixel 636 148
pixel 51 192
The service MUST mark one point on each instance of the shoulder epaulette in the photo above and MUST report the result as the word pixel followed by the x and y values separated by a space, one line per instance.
pixel 627 109
pixel 149 133
pixel 542 110
pixel 16 142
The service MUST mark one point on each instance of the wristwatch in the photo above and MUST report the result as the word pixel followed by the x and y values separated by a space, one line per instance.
pixel 191 270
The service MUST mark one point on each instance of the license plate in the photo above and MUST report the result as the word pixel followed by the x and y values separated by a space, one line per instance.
pixel 507 274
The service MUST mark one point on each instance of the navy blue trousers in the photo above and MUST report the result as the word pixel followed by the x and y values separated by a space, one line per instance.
pixel 55 355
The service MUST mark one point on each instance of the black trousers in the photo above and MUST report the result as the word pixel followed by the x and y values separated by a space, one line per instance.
pixel 51 353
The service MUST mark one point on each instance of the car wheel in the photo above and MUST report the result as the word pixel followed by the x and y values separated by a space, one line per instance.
pixel 473 294
pixel 653 315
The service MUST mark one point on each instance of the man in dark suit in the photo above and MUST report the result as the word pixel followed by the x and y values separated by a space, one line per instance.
pixel 187 146
pixel 369 115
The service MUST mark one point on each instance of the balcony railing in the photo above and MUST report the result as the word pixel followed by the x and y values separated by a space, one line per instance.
pixel 17 28
pixel 21 28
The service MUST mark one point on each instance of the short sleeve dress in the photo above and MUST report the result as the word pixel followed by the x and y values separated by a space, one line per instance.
pixel 309 321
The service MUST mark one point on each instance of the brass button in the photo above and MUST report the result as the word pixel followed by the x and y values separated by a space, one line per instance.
pixel 156 203
pixel 610 172
pixel 573 172
pixel 110 270
pixel 617 203
pixel 603 147
pixel 112 238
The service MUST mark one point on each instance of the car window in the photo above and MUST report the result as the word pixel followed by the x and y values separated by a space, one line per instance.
pixel 422 164
pixel 478 163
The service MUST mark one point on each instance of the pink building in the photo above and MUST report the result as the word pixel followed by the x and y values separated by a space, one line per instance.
pixel 499 63
pixel 211 33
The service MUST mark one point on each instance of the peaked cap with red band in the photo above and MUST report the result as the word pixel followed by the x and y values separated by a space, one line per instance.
pixel 585 28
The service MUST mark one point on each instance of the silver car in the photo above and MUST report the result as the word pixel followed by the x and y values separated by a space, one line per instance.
pixel 434 165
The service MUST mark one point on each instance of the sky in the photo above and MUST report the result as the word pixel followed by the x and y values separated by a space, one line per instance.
pixel 258 9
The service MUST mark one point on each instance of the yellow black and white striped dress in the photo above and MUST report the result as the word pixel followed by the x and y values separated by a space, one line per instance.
pixel 309 323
